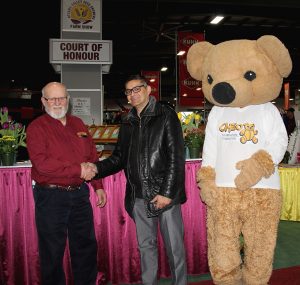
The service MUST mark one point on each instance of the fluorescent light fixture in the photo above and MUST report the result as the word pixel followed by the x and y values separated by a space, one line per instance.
pixel 181 52
pixel 164 68
pixel 152 80
pixel 291 99
pixel 216 20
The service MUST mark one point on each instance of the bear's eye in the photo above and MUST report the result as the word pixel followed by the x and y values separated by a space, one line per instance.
pixel 209 79
pixel 250 75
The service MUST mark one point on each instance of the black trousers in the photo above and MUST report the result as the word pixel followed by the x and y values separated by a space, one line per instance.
pixel 60 215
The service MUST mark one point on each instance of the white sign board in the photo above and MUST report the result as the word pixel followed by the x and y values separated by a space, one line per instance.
pixel 81 16
pixel 81 106
pixel 80 51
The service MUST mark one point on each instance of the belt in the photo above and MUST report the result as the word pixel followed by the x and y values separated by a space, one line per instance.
pixel 59 187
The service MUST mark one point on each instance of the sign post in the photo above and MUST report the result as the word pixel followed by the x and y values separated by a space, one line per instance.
pixel 81 57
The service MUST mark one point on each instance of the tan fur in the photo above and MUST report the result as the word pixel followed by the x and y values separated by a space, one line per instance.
pixel 245 210
pixel 267 56
pixel 275 50
pixel 206 182
pixel 253 169
pixel 235 212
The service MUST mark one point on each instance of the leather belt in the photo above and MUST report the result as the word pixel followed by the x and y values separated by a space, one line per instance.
pixel 59 187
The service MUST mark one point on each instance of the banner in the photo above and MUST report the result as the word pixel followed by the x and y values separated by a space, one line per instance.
pixel 153 80
pixel 190 93
pixel 286 95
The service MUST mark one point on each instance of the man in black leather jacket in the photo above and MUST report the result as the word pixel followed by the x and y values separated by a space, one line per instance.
pixel 150 149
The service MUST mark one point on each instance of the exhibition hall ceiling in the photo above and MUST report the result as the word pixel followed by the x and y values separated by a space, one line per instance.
pixel 144 33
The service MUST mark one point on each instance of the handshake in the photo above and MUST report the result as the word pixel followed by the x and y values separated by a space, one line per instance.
pixel 88 170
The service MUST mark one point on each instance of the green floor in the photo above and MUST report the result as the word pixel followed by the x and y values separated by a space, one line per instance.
pixel 287 252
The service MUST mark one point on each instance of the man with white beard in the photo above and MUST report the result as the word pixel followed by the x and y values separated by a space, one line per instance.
pixel 59 145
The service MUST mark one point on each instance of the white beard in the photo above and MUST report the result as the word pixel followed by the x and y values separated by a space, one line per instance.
pixel 58 114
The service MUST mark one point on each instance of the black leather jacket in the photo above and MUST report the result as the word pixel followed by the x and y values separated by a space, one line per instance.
pixel 151 146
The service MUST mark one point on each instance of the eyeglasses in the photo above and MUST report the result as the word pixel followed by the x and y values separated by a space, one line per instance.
pixel 135 89
pixel 59 99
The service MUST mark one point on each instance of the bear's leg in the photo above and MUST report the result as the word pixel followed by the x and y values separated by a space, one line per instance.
pixel 223 230
pixel 261 218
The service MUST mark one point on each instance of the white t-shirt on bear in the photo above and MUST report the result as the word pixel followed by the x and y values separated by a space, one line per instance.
pixel 233 134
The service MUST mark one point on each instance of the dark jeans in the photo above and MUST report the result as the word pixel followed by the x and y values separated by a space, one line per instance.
pixel 60 215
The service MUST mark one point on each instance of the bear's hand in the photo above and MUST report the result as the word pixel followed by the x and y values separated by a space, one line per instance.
pixel 206 182
pixel 253 169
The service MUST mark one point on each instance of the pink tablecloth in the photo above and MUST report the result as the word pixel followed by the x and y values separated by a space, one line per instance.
pixel 118 258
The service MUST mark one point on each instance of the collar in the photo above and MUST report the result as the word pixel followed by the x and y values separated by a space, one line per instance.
pixel 56 121
pixel 151 109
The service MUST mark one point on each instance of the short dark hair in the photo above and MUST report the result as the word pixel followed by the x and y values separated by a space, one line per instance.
pixel 136 77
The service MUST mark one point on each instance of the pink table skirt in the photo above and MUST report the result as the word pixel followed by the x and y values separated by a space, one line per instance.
pixel 118 257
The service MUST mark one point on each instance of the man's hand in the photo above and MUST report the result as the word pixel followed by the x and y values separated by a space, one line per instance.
pixel 161 201
pixel 101 198
pixel 88 171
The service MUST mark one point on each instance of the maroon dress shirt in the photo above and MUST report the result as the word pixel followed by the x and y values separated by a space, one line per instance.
pixel 56 151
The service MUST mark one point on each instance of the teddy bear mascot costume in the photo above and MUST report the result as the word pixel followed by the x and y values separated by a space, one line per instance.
pixel 245 139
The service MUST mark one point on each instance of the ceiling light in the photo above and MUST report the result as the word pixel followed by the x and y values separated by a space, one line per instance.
pixel 181 52
pixel 291 99
pixel 152 80
pixel 184 95
pixel 198 89
pixel 164 68
pixel 216 20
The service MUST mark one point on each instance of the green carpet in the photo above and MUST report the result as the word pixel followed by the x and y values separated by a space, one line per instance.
pixel 287 252
pixel 280 276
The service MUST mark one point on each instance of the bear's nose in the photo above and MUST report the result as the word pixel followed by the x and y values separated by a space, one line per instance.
pixel 223 93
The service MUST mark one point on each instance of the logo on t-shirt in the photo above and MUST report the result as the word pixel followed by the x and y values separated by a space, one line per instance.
pixel 246 132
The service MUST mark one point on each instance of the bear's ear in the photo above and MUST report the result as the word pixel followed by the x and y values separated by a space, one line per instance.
pixel 277 52
pixel 195 58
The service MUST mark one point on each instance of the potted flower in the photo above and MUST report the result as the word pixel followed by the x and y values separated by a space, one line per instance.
pixel 193 132
pixel 12 136
pixel 194 138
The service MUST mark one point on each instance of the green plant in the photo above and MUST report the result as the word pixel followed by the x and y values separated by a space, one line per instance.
pixel 193 130
pixel 12 134
pixel 194 138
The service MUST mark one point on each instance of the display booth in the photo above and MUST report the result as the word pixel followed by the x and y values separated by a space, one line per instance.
pixel 104 135
pixel 290 185
pixel 118 256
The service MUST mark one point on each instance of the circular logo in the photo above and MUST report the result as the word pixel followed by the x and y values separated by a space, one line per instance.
pixel 81 13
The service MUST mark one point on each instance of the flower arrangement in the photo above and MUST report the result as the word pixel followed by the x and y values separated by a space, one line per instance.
pixel 193 129
pixel 12 134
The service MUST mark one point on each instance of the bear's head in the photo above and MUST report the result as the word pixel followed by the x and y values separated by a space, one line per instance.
pixel 239 73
